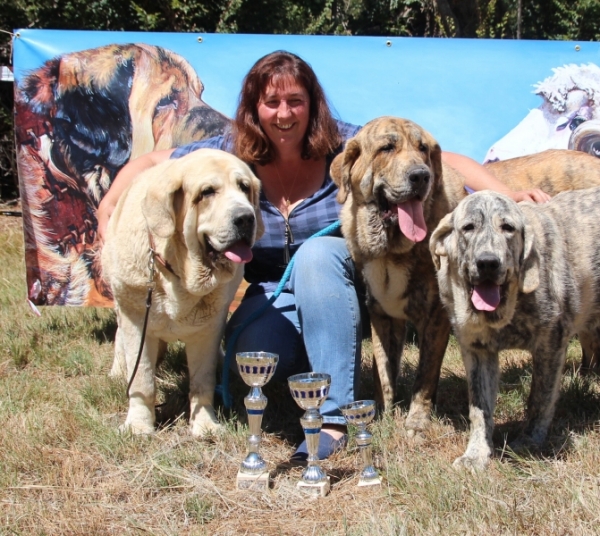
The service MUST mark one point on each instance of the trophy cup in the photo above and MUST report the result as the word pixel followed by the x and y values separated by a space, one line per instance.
pixel 360 414
pixel 256 369
pixel 310 391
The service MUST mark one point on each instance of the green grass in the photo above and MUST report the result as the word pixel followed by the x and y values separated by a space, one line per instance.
pixel 65 468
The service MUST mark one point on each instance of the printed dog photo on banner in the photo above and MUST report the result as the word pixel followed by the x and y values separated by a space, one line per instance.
pixel 80 118
pixel 83 112
pixel 568 118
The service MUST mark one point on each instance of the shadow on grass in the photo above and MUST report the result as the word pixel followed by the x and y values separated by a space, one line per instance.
pixel 281 417
pixel 452 400
pixel 173 387
pixel 577 411
pixel 282 414
pixel 105 329
pixel 336 474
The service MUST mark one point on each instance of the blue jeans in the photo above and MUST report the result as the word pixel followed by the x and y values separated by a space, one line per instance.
pixel 317 326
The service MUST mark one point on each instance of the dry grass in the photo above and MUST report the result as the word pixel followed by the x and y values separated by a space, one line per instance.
pixel 64 469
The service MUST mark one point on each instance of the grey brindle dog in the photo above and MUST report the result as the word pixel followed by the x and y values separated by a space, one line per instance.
pixel 518 276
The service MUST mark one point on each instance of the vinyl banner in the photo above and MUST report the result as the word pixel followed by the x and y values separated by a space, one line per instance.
pixel 88 102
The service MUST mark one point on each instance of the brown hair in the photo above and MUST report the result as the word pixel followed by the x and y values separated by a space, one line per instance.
pixel 251 144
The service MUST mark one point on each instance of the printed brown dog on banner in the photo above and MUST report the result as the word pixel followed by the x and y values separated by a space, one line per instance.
pixel 80 118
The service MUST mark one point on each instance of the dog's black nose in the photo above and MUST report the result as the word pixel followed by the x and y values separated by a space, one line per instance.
pixel 487 264
pixel 418 176
pixel 244 222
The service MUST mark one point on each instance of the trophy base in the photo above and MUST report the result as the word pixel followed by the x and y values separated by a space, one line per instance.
pixel 315 490
pixel 253 482
pixel 370 482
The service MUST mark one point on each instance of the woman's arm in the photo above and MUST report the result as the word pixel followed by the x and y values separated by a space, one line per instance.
pixel 478 177
pixel 122 181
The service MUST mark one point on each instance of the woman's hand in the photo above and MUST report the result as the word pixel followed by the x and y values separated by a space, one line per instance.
pixel 103 214
pixel 535 195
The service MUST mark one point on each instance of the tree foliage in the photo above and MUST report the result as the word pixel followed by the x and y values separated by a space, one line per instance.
pixel 539 19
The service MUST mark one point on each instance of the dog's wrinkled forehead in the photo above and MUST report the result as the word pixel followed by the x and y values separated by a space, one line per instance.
pixel 212 173
pixel 395 132
pixel 487 206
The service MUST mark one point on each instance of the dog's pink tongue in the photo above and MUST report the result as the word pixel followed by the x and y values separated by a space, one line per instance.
pixel 486 297
pixel 411 220
pixel 239 252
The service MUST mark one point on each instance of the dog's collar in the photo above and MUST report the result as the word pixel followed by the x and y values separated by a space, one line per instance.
pixel 159 258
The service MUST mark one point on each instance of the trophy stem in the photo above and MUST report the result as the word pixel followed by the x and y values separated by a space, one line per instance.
pixel 311 423
pixel 253 470
pixel 255 403
pixel 368 475
pixel 314 480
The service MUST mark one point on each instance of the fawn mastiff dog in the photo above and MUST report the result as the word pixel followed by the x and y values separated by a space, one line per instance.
pixel 518 276
pixel 197 217
pixel 395 191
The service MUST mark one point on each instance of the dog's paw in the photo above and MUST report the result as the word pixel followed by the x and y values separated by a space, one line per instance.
pixel 471 463
pixel 525 443
pixel 137 428
pixel 417 421
pixel 205 422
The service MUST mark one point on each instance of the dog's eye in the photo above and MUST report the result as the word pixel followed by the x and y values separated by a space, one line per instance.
pixel 170 101
pixel 576 121
pixel 508 228
pixel 387 148
pixel 245 188
pixel 468 227
pixel 423 148
pixel 207 192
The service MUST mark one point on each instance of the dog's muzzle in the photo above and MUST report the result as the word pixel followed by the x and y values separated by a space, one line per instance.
pixel 487 283
pixel 238 247
pixel 403 206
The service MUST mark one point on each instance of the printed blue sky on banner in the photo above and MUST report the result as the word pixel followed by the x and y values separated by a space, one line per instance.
pixel 467 93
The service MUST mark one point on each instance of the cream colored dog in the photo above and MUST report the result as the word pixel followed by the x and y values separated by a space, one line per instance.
pixel 197 217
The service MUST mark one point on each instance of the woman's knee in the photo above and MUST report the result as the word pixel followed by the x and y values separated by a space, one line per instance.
pixel 321 256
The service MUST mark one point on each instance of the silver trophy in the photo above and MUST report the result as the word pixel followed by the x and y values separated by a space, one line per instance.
pixel 360 414
pixel 310 390
pixel 256 369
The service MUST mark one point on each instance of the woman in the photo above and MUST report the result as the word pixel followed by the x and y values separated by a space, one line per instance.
pixel 284 129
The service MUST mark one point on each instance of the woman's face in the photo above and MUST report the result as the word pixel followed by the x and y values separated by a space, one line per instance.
pixel 283 114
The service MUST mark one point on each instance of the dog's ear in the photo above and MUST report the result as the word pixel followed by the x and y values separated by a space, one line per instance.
pixel 92 121
pixel 437 242
pixel 255 200
pixel 436 161
pixel 158 206
pixel 260 226
pixel 341 168
pixel 529 273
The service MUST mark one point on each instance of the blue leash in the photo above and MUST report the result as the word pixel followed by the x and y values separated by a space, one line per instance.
pixel 223 389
